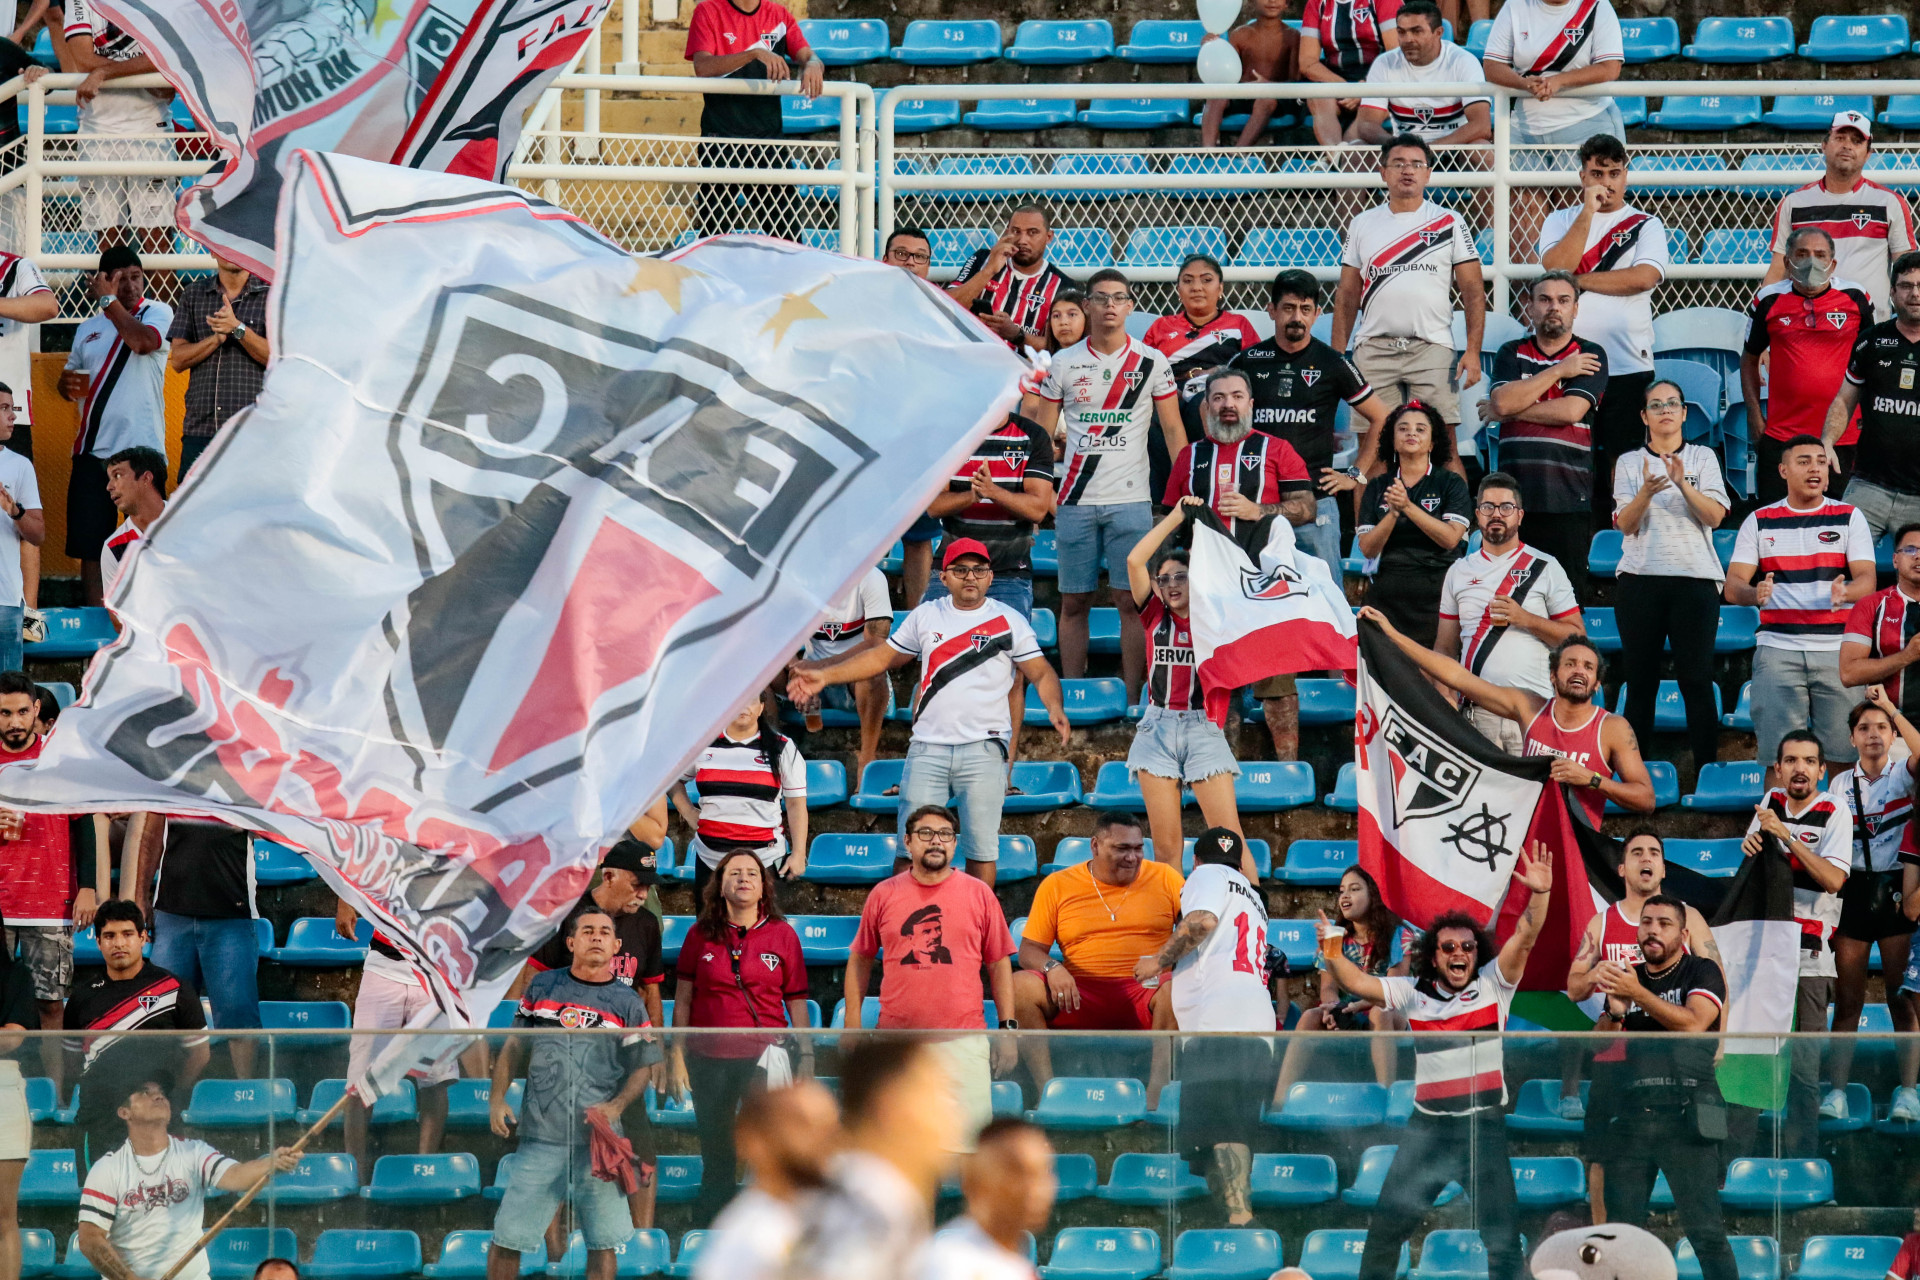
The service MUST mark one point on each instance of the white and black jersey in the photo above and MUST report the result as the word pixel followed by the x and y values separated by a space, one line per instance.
pixel 153 1207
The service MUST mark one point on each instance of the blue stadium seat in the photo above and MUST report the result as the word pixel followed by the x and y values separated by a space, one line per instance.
pixel 684 1261
pixel 1669 710
pixel 468 1101
pixel 1103 630
pixel 1548 1181
pixel 1677 162
pixel 1754 1258
pixel 435 1179
pixel 1071 851
pixel 1701 385
pixel 852 859
pixel 313 944
pixel 827 780
pixel 847 42
pixel 317 1179
pixel 1204 165
pixel 1724 539
pixel 1335 1254
pixel 1087 701
pixel 1454 1255
pixel 238 1251
pixel 1285 1181
pixel 1903 112
pixel 673 932
pixel 1710 336
pixel 73 633
pixel 1000 165
pixel 1161 41
pixel 37 1252
pixel 1763 1184
pixel 63 693
pixel 1781 162
pixel 1846 1257
pixel 463 1256
pixel 880 777
pixel 310 1016
pixel 1044 785
pixel 1080 249
pixel 61 118
pixel 668 1112
pixel 1317 862
pixel 1289 247
pixel 1602 629
pixel 49 1179
pixel 1536 1110
pixel 1739 623
pixel 1649 39
pixel 1046 629
pixel 1166 1113
pixel 1019 860
pixel 798 115
pixel 1719 859
pixel 1633 114
pixel 1046 548
pixel 1814 113
pixel 1679 246
pixel 399 1107
pixel 360 1254
pixel 1727 786
pixel 946 42
pixel 1233 124
pixel 1345 797
pixel 502 1174
pixel 1477 36
pixel 1158 1178
pixel 1740 40
pixel 1715 113
pixel 1856 38
pixel 240 1104
pixel 644 1253
pixel 1225 1254
pixel 1318 1106
pixel 1165 246
pixel 1096 164
pixel 1603 557
pixel 1045 43
pixel 1076 1174
pixel 1103 1253
pixel 825 939
pixel 43 1104
pixel 1296 941
pixel 924 115
pixel 1135 113
pixel 1268 787
pixel 1371 1177
pixel 1324 701
pixel 275 864
pixel 679 1179
pixel 1736 246
pixel 1007 1101
pixel 1090 1102
pixel 1020 113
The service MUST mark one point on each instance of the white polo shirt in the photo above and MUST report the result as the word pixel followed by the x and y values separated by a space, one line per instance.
pixel 1406 263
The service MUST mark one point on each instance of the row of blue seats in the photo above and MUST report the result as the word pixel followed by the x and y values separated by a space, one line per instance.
pixel 63 118
pixel 1725 786
pixel 1603 556
pixel 846 42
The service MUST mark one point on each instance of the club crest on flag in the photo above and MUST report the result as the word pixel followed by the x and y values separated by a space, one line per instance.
pixel 1268 583
pixel 1429 777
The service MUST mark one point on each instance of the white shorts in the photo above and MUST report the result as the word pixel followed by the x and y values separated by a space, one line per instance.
pixel 107 202
pixel 16 1129
pixel 970 1071
pixel 384 1004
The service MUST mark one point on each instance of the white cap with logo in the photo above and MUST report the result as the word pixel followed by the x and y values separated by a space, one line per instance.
pixel 1853 120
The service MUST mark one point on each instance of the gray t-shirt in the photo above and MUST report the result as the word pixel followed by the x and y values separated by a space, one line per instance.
pixel 568 1074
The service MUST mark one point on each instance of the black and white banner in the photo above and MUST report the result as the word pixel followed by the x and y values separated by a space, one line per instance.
pixel 516 526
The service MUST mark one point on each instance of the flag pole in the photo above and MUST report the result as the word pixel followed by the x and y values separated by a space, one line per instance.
pixel 206 1237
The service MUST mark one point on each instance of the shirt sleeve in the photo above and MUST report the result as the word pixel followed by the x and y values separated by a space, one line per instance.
pixel 793 963
pixel 1652 247
pixel 1606 45
pixel 1746 544
pixel 866 939
pixel 1397 993
pixel 1757 338
pixel 1500 39
pixel 973 265
pixel 100 1197
pixel 910 636
pixel 79 19
pixel 188 1015
pixel 1906 1263
pixel 1711 482
pixel 1836 838
pixel 210 1161
pixel 1310 21
pixel 1860 622
pixel 551 955
pixel 1449 603
pixel 1556 593
pixel 1205 890
pixel 159 318
pixel 1286 470
pixel 182 326
pixel 1163 387
pixel 1349 382
pixel 1626 481
pixel 1463 246
pixel 683 966
pixel 1899 226
pixel 1456 504
pixel 523 1016
pixel 1466 69
pixel 1025 643
pixel 1051 388
pixel 1592 387
pixel 1179 479
pixel 27 494
pixel 793 771
pixel 1555 229
pixel 996 939
pixel 1506 366
pixel 1350 254
pixel 1857 363
pixel 1043 924
pixel 1859 537
pixel 799 50
pixel 1039 463
pixel 703 33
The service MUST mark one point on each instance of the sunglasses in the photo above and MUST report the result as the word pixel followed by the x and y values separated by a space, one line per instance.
pixel 1458 948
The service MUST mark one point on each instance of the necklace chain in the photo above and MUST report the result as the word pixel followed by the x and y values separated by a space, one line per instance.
pixel 1111 917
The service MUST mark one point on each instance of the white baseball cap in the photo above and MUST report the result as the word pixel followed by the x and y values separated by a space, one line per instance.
pixel 1853 120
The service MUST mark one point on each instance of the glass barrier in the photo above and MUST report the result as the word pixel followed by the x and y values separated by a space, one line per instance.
pixel 1205 1157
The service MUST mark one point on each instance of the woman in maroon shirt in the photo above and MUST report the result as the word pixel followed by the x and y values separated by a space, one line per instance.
pixel 740 966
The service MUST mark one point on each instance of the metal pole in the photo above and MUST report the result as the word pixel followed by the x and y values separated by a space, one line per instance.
pixel 587 146
pixel 1502 199
pixel 850 171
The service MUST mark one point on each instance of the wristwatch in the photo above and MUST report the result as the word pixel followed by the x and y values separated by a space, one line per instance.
pixel 1009 1024
pixel 1051 966
pixel 240 329
pixel 1597 780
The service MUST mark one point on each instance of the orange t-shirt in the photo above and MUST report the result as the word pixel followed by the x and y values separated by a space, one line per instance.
pixel 1102 929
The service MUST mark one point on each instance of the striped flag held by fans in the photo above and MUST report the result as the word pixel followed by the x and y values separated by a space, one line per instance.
pixel 1759 943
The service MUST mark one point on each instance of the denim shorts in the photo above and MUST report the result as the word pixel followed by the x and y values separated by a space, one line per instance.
pixel 1911 982
pixel 1089 536
pixel 1180 744
pixel 1608 120
pixel 1015 593
pixel 542 1181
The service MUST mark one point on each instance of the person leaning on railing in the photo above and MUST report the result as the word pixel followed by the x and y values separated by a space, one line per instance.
pixel 759 40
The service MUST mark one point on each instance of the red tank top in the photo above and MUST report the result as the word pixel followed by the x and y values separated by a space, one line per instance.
pixel 1582 746
pixel 36 871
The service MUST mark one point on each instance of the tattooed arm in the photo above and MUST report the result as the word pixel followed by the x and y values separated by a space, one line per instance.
pixel 1192 930
pixel 1580 976
pixel 105 1258
pixel 1700 939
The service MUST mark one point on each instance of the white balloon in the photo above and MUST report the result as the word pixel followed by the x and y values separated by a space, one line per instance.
pixel 1218 63
pixel 1217 15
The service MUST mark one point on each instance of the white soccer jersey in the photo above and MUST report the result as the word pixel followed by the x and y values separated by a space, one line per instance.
pixel 1406 263
pixel 115 111
pixel 1457 1074
pixel 17 474
pixel 116 551
pixel 1507 656
pixel 967 659
pixel 1430 118
pixel 1107 408
pixel 1827 826
pixel 1220 985
pixel 151 1207
pixel 844 623
pixel 1880 808
pixel 126 400
pixel 1539 39
pixel 962 1251
pixel 19 278
pixel 1616 241
pixel 1870 226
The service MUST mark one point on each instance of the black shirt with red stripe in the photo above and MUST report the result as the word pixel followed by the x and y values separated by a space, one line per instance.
pixel 1297 395
pixel 102 1008
pixel 1553 463
pixel 637 962
pixel 1027 300
pixel 1172 684
pixel 1885 369
pixel 1659 1065
pixel 1018 452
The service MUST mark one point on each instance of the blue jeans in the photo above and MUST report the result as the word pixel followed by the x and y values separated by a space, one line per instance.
pixel 971 777
pixel 1015 593
pixel 10 650
pixel 547 1175
pixel 218 958
pixel 1322 537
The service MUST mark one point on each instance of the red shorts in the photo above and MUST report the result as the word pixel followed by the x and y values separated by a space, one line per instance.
pixel 1108 1004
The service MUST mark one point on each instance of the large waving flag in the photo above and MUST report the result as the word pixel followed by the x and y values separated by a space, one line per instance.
pixel 1249 621
pixel 516 525
pixel 440 85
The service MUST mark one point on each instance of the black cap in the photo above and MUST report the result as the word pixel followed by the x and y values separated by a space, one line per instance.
pixel 643 860
pixel 121 255
pixel 1218 844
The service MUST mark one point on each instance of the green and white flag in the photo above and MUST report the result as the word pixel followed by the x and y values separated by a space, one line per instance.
pixel 1760 950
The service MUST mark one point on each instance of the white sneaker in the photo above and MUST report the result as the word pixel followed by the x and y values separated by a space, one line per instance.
pixel 1572 1108
pixel 1906 1105
pixel 1834 1105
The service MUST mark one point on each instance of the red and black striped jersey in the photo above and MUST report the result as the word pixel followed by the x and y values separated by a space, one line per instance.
pixel 1172 682
pixel 1870 226
pixel 1107 407
pixel 1553 462
pixel 1348 32
pixel 1804 551
pixel 1812 339
pixel 1027 299
pixel 1886 622
pixel 1259 467
pixel 741 792
pixel 1019 451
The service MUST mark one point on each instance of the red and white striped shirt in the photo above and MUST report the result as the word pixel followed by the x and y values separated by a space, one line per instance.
pixel 1172 682
pixel 1885 622
pixel 1804 550
pixel 741 791
pixel 1457 1075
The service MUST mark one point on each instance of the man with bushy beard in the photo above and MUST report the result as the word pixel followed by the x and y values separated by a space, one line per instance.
pixel 1594 751
pixel 1546 390
pixel 1247 477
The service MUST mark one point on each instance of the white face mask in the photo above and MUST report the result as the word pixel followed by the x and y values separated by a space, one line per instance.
pixel 1810 272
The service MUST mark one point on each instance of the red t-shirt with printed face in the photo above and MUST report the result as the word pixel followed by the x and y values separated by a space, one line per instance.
pixel 722 28
pixel 934 940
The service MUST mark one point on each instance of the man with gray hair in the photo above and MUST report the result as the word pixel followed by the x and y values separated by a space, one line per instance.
pixel 1805 326
pixel 1546 389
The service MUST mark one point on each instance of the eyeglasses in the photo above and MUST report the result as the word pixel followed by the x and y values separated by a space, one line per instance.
pixel 1458 948
pixel 1908 550
pixel 1170 580
pixel 1108 299
pixel 1665 406
pixel 1407 165
pixel 971 570
pixel 909 259
pixel 1498 509
pixel 933 835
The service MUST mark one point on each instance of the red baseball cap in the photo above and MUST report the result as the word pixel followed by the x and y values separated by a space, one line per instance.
pixel 963 547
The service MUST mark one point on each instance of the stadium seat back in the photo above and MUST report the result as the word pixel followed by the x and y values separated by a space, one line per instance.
pixel 879 777
pixel 1846 1257
pixel 1856 38
pixel 1536 1109
pixel 237 1251
pixel 1285 1180
pixel 50 1178
pixel 1270 786
pixel 1648 39
pixel 1760 1183
pixel 1814 113
pixel 1090 1102
pixel 424 1179
pixel 1161 41
pixel 1324 701
pixel 1225 1254
pixel 679 1179
pixel 1717 858
pixel 1076 1174
pixel 1346 795
pixel 1295 939
pixel 1376 1163
pixel 237 1104
pixel 1104 1253
pixel 1736 246
pixel 275 864
pixel 945 42
pixel 825 939
pixel 1728 786
pixel 1331 1254
pixel 1215 166
pixel 1046 42
pixel 923 115
pixel 1754 1258
pixel 846 42
pixel 306 1016
pixel 1740 40
pixel 1044 785
pixel 1135 113
pixel 1151 1178
pixel 1320 1105
pixel 826 784
pixel 1087 701
pixel 1166 246
pixel 313 943
pixel 839 858
pixel 1081 248
pixel 355 1253
pixel 1454 1255
pixel 1318 862
pixel 1289 247
pixel 1547 1181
